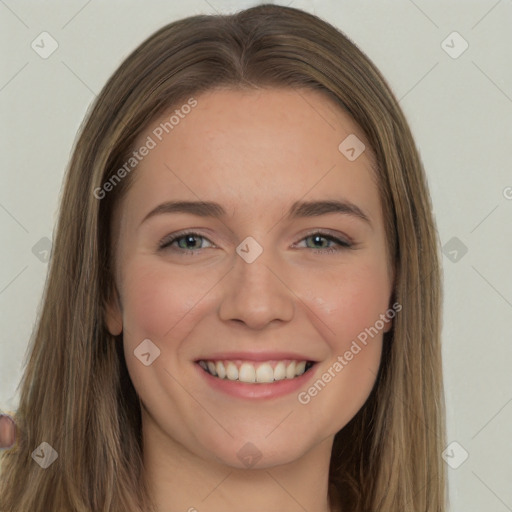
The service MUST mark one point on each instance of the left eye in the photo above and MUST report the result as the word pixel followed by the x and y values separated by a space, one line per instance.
pixel 188 239
pixel 337 241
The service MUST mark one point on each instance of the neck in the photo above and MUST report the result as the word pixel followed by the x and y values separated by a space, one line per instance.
pixel 181 481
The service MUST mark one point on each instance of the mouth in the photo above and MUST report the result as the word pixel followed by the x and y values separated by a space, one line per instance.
pixel 252 372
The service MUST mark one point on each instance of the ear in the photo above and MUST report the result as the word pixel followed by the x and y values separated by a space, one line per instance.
pixel 113 314
pixel 388 323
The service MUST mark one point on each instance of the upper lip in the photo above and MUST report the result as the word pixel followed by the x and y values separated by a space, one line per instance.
pixel 255 356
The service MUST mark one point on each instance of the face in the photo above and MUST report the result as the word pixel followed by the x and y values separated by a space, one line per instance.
pixel 253 287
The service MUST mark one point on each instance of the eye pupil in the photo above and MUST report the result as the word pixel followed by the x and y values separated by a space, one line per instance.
pixel 316 238
pixel 191 239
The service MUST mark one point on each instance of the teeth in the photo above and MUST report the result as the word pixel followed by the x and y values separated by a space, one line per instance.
pixel 221 371
pixel 247 373
pixel 290 370
pixel 265 372
pixel 232 371
pixel 300 368
pixel 280 371
pixel 211 368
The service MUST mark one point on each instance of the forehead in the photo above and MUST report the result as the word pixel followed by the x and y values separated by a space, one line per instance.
pixel 253 150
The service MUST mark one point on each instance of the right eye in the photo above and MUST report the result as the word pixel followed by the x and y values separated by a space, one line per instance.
pixel 188 238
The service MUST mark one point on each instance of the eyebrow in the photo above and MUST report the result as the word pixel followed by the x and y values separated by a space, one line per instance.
pixel 299 209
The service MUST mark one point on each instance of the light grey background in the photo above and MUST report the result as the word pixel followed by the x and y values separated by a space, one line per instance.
pixel 460 111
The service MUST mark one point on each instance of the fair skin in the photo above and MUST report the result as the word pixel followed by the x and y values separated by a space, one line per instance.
pixel 255 153
pixel 7 431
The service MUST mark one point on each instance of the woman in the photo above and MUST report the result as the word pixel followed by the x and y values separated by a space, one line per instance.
pixel 251 369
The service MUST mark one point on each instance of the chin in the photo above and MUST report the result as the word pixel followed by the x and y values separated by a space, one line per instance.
pixel 256 449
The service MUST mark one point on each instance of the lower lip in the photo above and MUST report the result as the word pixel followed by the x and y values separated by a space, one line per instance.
pixel 257 390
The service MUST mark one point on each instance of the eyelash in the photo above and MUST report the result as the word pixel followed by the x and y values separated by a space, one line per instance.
pixel 167 241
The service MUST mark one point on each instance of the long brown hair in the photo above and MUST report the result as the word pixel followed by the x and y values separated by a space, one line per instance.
pixel 76 393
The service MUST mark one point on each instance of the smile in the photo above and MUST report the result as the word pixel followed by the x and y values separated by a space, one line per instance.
pixel 263 372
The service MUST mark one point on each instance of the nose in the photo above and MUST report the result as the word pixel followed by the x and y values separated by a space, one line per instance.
pixel 257 293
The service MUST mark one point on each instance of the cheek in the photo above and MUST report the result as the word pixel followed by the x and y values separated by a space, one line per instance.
pixel 162 305
pixel 157 300
pixel 350 304
pixel 350 301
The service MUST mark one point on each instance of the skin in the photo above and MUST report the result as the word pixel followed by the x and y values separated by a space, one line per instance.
pixel 255 153
pixel 7 431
